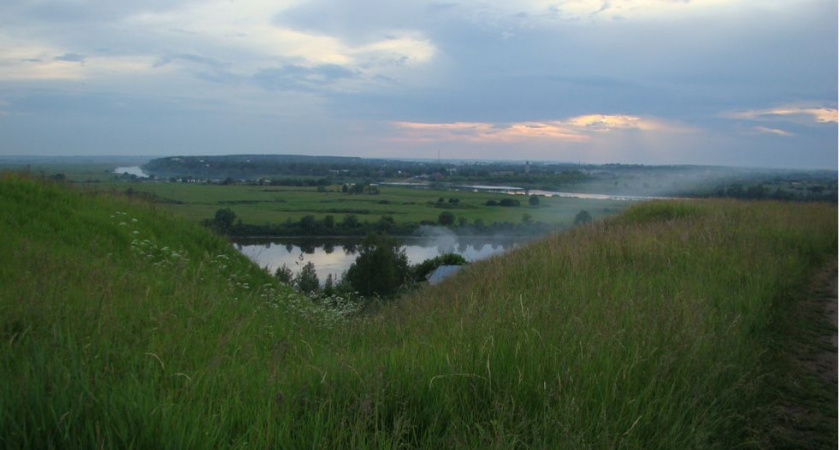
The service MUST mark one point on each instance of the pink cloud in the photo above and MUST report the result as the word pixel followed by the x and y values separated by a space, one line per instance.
pixel 574 129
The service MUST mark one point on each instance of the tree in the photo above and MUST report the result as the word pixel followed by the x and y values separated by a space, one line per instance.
pixel 380 269
pixel 283 274
pixel 329 286
pixel 223 220
pixel 307 279
pixel 349 222
pixel 386 224
pixel 583 218
pixel 329 222
pixel 534 200
pixel 446 218
pixel 308 223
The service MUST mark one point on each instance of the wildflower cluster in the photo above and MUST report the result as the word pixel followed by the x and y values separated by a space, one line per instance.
pixel 225 267
pixel 325 310
pixel 146 248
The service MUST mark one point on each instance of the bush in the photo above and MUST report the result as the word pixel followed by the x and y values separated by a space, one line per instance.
pixel 223 220
pixel 446 219
pixel 583 218
pixel 420 271
pixel 283 274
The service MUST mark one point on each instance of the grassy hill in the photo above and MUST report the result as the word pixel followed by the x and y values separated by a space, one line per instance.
pixel 125 327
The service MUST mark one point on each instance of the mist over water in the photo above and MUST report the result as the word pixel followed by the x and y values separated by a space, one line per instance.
pixel 131 170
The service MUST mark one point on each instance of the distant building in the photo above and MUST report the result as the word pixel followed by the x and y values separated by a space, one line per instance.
pixel 441 273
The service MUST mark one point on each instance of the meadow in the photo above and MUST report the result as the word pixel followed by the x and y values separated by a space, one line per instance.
pixel 126 326
pixel 277 204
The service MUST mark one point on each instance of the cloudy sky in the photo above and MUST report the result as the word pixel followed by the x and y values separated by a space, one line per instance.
pixel 724 82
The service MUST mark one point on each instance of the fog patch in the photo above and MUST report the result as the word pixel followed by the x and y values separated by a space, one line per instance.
pixel 443 238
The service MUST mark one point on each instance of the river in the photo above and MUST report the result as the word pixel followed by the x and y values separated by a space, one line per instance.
pixel 334 256
pixel 513 190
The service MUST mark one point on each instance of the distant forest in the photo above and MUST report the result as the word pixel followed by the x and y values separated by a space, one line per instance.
pixel 244 167
pixel 628 179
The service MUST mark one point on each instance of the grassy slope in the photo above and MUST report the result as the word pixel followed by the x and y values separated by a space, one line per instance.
pixel 125 326
pixel 648 331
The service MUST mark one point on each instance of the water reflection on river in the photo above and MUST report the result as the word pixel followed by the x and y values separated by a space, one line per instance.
pixel 334 256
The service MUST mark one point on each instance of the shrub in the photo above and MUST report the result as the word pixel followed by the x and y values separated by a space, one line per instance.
pixel 420 271
pixel 446 218
pixel 283 274
pixel 583 218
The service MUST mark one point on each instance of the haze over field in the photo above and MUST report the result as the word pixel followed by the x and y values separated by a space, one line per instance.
pixel 751 82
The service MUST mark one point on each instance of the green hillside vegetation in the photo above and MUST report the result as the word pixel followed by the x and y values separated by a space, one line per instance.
pixel 125 327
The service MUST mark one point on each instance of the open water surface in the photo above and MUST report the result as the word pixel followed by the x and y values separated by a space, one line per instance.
pixel 334 256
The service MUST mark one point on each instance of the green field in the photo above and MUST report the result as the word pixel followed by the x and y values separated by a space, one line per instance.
pixel 277 204
pixel 125 327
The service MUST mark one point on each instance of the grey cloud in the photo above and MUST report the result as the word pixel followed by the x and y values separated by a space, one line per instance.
pixel 71 57
pixel 182 31
pixel 195 59
pixel 221 77
pixel 440 6
pixel 666 67
pixel 205 68
pixel 54 102
pixel 507 99
pixel 299 78
pixel 364 20
pixel 88 11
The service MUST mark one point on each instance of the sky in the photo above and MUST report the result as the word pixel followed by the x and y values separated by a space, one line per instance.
pixel 713 82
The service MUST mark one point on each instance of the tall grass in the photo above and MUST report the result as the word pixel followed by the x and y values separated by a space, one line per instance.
pixel 646 331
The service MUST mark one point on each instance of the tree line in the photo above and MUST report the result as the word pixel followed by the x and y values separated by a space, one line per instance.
pixel 225 221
